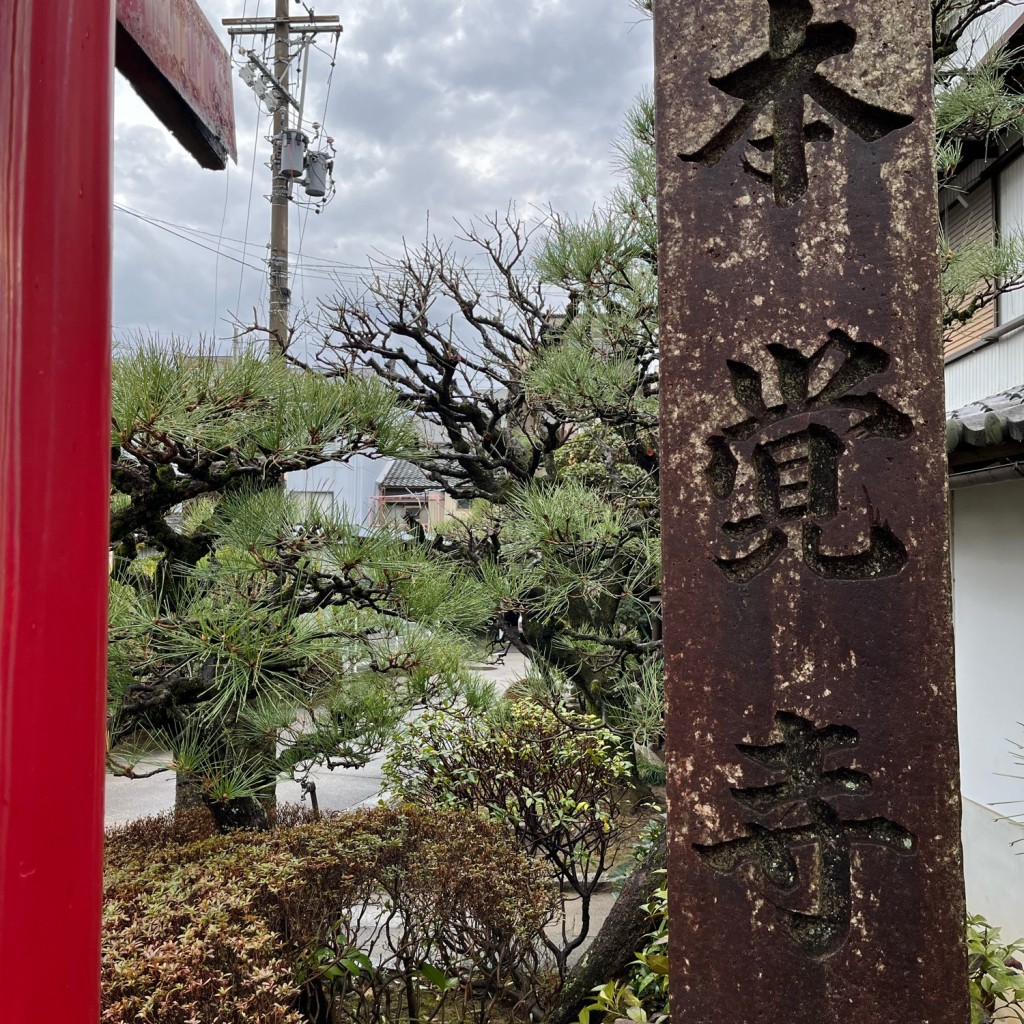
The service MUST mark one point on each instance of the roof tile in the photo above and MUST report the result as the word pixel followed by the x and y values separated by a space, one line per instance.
pixel 407 475
pixel 985 424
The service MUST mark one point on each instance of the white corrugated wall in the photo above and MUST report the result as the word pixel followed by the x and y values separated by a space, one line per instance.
pixel 1011 222
pixel 987 31
pixel 985 372
pixel 352 483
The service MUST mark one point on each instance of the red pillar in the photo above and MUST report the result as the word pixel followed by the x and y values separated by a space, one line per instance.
pixel 56 69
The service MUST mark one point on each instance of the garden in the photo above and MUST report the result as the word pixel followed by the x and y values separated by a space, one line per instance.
pixel 514 868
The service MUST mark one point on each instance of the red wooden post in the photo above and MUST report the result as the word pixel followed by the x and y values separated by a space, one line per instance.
pixel 56 71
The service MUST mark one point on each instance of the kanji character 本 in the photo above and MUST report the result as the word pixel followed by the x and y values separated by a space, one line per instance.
pixel 795 813
pixel 784 77
pixel 792 452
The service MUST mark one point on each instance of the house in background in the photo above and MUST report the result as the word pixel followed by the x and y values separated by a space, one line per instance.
pixel 985 441
pixel 984 377
pixel 409 500
pixel 377 492
pixel 346 488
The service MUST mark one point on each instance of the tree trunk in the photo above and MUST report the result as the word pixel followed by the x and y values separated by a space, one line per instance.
pixel 248 812
pixel 187 793
pixel 616 944
pixel 245 813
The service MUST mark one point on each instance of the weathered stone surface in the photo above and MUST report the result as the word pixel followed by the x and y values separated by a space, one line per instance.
pixel 815 864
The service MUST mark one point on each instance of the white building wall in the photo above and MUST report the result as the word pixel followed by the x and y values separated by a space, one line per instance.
pixel 1010 204
pixel 994 868
pixel 988 614
pixel 352 483
pixel 988 31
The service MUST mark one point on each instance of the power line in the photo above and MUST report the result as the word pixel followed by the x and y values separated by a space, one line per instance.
pixel 252 182
pixel 220 238
pixel 185 238
pixel 316 263
pixel 163 226
pixel 336 273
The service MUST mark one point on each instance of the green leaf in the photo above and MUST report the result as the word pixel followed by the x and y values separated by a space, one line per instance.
pixel 364 962
pixel 437 978
pixel 657 963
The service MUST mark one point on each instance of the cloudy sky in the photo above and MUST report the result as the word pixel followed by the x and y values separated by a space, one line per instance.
pixel 446 107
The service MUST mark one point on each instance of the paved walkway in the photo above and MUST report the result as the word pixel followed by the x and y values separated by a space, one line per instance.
pixel 338 790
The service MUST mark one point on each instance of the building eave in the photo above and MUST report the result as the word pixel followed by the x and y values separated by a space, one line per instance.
pixel 986 432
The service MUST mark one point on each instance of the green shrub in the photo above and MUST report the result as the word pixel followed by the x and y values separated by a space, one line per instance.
pixel 399 913
pixel 558 780
pixel 994 973
pixel 649 977
pixel 643 996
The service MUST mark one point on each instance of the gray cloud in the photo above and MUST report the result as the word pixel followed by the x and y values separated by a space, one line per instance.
pixel 454 107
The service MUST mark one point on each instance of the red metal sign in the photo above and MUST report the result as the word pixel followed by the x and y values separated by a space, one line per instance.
pixel 174 59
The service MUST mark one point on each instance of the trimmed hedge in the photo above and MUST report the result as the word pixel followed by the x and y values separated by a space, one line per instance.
pixel 349 917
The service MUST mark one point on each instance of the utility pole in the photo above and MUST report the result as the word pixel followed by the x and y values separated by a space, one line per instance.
pixel 291 154
pixel 280 196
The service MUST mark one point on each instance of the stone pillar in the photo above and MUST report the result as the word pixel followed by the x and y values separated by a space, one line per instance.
pixel 815 863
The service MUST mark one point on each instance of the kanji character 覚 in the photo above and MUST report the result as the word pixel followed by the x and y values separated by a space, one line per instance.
pixel 795 468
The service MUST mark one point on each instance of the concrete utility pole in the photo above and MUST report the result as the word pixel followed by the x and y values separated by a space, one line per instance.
pixel 282 27
pixel 280 197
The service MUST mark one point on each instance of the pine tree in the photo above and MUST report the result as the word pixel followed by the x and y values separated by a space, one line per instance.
pixel 542 385
pixel 250 636
pixel 979 109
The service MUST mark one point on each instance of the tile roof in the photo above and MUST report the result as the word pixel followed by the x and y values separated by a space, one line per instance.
pixel 994 421
pixel 407 475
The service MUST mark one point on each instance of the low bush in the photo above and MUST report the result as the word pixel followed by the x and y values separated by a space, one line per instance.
pixel 395 913
pixel 558 780
pixel 994 973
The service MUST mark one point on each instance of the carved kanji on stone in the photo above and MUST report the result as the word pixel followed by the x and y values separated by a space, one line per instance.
pixel 805 524
pixel 785 77
pixel 795 459
pixel 794 813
